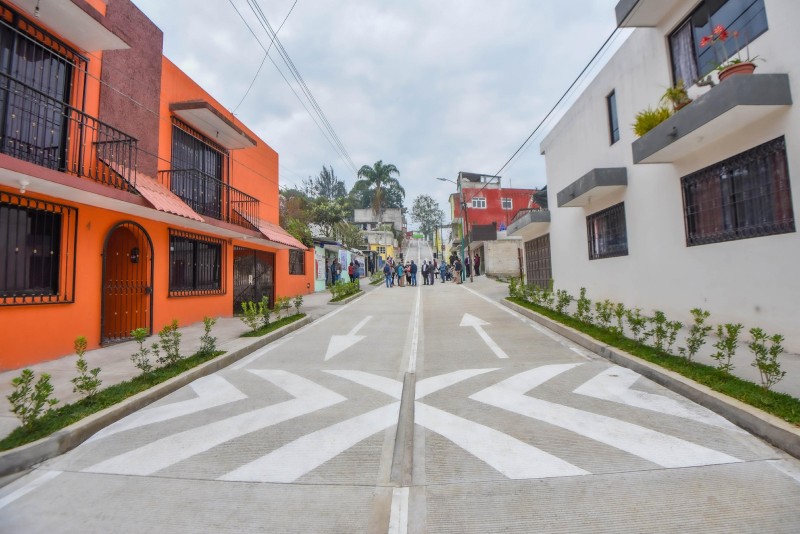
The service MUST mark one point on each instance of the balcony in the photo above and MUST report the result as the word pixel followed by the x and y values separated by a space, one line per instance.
pixel 37 128
pixel 594 185
pixel 530 223
pixel 642 13
pixel 212 198
pixel 729 108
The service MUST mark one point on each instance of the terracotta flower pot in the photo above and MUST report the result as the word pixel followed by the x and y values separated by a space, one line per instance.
pixel 737 68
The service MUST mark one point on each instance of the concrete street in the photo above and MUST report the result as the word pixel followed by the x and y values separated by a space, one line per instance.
pixel 415 409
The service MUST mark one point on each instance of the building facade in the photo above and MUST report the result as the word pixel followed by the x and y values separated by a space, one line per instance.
pixel 699 211
pixel 129 197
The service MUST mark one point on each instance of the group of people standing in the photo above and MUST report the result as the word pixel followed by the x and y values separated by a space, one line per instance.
pixel 396 273
pixel 333 271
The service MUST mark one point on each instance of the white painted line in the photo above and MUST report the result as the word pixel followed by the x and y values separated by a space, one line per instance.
pixel 614 385
pixel 153 457
pixel 533 324
pixel 478 324
pixel 40 478
pixel 303 455
pixel 211 390
pixel 435 383
pixel 398 519
pixel 661 449
pixel 389 386
pixel 508 455
pixel 339 344
pixel 412 357
pixel 244 362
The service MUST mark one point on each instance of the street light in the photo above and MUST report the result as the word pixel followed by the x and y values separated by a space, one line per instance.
pixel 464 226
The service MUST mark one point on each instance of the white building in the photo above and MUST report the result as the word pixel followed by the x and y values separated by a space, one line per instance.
pixel 699 212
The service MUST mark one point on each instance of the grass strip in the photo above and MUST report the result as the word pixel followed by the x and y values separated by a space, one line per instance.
pixel 342 297
pixel 778 404
pixel 266 329
pixel 68 414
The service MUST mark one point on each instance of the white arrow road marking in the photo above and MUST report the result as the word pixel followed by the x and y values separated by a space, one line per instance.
pixel 301 456
pixel 38 479
pixel 477 324
pixel 614 385
pixel 341 343
pixel 661 449
pixel 510 456
pixel 150 458
pixel 212 391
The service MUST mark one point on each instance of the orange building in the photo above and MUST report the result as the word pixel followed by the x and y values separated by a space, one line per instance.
pixel 129 197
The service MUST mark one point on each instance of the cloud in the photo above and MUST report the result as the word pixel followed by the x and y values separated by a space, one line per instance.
pixel 433 87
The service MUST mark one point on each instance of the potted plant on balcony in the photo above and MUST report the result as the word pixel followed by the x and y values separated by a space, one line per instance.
pixel 734 65
pixel 649 118
pixel 676 96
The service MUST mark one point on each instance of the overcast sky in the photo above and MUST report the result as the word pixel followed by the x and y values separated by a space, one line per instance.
pixel 433 86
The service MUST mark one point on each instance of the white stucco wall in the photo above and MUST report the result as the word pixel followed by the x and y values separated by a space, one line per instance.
pixel 752 281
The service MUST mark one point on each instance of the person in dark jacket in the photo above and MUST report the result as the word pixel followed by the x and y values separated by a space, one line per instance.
pixel 413 273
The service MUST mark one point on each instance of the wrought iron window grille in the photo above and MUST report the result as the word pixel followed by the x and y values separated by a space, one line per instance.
pixel 607 233
pixel 197 264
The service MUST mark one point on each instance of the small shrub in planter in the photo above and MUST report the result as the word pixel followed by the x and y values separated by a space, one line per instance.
pixel 29 399
pixel 141 358
pixel 697 334
pixel 170 343
pixel 767 349
pixel 208 343
pixel 726 345
pixel 563 300
pixel 648 119
pixel 86 382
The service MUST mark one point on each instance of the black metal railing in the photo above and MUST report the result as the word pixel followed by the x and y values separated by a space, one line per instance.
pixel 210 197
pixel 48 132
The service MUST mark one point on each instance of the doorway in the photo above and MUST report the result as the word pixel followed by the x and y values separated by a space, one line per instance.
pixel 253 277
pixel 127 302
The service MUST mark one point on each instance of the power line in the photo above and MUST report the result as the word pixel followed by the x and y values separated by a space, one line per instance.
pixel 264 59
pixel 262 19
pixel 299 99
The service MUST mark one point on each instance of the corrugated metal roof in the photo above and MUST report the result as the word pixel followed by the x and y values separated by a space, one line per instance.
pixel 275 233
pixel 163 199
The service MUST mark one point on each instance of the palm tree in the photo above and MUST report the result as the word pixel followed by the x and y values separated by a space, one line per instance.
pixel 378 179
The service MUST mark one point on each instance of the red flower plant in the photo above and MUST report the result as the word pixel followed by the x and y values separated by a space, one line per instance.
pixel 718 37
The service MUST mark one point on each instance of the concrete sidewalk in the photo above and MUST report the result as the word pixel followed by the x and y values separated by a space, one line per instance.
pixel 115 360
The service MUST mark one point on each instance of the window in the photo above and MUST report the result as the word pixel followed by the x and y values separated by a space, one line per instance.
pixel 505 203
pixel 538 270
pixel 745 196
pixel 37 251
pixel 381 250
pixel 613 122
pixel 198 170
pixel 690 61
pixel 297 261
pixel 196 264
pixel 479 202
pixel 607 234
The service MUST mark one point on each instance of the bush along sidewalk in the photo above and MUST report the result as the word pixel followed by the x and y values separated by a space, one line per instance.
pixel 652 339
pixel 341 290
pixel 257 316
pixel 29 399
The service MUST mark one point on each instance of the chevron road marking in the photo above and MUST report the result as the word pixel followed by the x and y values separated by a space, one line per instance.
pixel 162 453
pixel 39 478
pixel 661 449
pixel 339 344
pixel 211 390
pixel 478 324
pixel 614 385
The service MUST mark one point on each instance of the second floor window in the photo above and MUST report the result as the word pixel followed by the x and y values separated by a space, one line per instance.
pixel 613 122
pixel 690 61
pixel 479 202
pixel 745 196
pixel 506 203
pixel 607 233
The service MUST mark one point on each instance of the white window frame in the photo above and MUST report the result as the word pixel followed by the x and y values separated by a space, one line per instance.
pixel 504 201
pixel 479 203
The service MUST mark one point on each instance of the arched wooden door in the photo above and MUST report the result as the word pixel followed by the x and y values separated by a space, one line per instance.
pixel 127 282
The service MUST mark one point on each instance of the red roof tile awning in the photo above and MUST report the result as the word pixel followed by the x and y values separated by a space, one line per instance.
pixel 163 199
pixel 278 235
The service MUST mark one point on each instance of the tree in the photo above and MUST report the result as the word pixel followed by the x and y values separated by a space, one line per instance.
pixel 378 184
pixel 325 186
pixel 427 214
pixel 294 215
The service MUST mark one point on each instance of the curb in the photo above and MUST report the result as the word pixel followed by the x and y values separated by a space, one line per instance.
pixel 66 439
pixel 771 429
pixel 349 299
